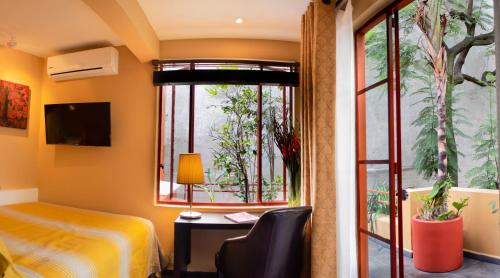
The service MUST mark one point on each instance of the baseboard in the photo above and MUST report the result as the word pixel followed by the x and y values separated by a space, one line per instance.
pixel 483 258
pixel 468 254
pixel 407 253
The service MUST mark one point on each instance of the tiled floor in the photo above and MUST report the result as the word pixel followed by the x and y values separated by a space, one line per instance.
pixel 379 266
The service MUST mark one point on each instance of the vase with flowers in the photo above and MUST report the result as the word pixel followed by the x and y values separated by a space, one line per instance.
pixel 289 144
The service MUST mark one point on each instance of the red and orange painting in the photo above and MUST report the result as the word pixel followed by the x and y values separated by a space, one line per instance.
pixel 14 104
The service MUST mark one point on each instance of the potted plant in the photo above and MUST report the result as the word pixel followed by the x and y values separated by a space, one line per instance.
pixel 437 233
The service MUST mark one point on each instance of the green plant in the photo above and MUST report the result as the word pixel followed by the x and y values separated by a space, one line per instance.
pixel 376 48
pixel 456 23
pixel 433 24
pixel 270 105
pixel 425 147
pixel 486 150
pixel 235 153
pixel 209 188
pixel 453 26
pixel 377 204
pixel 270 189
pixel 435 204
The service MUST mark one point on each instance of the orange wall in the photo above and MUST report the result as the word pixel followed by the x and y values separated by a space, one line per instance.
pixel 230 49
pixel 18 148
pixel 119 179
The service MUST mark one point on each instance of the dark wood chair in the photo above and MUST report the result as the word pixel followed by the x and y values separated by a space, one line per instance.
pixel 272 249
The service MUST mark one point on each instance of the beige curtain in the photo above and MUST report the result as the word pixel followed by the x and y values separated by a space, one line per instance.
pixel 317 126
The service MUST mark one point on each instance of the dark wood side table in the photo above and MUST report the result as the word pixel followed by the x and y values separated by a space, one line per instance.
pixel 182 236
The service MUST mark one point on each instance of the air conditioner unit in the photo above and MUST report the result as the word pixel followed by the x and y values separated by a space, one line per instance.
pixel 83 64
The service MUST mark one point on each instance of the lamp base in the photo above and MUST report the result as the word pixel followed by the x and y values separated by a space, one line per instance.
pixel 190 215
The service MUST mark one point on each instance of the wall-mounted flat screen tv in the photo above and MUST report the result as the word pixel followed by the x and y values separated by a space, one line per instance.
pixel 81 124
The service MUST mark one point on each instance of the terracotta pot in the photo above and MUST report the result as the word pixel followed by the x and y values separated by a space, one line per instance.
pixel 437 245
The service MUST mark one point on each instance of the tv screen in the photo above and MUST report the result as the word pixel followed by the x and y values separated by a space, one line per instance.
pixel 82 124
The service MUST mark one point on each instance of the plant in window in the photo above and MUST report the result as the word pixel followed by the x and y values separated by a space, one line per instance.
pixel 235 153
pixel 289 144
pixel 270 105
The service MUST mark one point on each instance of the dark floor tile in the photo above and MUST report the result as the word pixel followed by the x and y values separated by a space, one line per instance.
pixel 380 257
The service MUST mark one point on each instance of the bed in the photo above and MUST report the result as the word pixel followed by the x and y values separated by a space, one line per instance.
pixel 47 240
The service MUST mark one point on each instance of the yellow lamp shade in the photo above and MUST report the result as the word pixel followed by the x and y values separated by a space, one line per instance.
pixel 190 169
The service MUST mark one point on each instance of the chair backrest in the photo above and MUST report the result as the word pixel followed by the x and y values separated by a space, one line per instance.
pixel 280 234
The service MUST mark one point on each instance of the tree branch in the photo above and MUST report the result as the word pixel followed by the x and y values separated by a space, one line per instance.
pixel 458 53
pixel 483 82
pixel 484 39
pixel 458 77
pixel 468 42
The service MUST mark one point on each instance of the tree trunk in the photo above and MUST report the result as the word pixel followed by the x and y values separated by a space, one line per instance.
pixel 496 15
pixel 245 180
pixel 452 154
pixel 441 83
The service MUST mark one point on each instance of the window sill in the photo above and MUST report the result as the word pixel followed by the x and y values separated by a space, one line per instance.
pixel 204 208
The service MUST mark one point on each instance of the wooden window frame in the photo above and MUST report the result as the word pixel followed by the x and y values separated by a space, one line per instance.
pixel 288 91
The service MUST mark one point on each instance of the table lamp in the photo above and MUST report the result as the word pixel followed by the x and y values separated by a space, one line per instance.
pixel 190 172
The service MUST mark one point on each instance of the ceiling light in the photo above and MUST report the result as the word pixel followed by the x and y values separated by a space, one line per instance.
pixel 239 20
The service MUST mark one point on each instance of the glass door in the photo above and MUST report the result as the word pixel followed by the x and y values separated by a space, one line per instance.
pixel 378 135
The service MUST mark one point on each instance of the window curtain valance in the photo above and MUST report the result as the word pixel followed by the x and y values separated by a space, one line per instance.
pixel 208 71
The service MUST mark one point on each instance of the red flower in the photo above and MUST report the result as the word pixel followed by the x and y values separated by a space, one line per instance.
pixel 296 144
pixel 284 152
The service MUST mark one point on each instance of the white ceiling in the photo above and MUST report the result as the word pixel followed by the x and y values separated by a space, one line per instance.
pixel 46 27
pixel 263 19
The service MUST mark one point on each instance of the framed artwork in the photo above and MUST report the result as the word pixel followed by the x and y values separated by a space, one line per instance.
pixel 14 104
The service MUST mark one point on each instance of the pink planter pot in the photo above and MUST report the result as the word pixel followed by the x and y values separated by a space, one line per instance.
pixel 437 245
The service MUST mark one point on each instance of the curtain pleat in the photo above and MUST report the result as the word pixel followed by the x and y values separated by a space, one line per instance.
pixel 305 90
pixel 346 147
pixel 317 126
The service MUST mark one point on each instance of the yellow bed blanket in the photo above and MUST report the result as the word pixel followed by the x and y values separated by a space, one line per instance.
pixel 47 240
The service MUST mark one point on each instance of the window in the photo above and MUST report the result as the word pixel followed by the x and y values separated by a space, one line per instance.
pixel 230 123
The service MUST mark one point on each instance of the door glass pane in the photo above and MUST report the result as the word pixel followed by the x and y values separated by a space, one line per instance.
pixel 377 201
pixel 225 131
pixel 273 170
pixel 376 54
pixel 175 140
pixel 377 123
